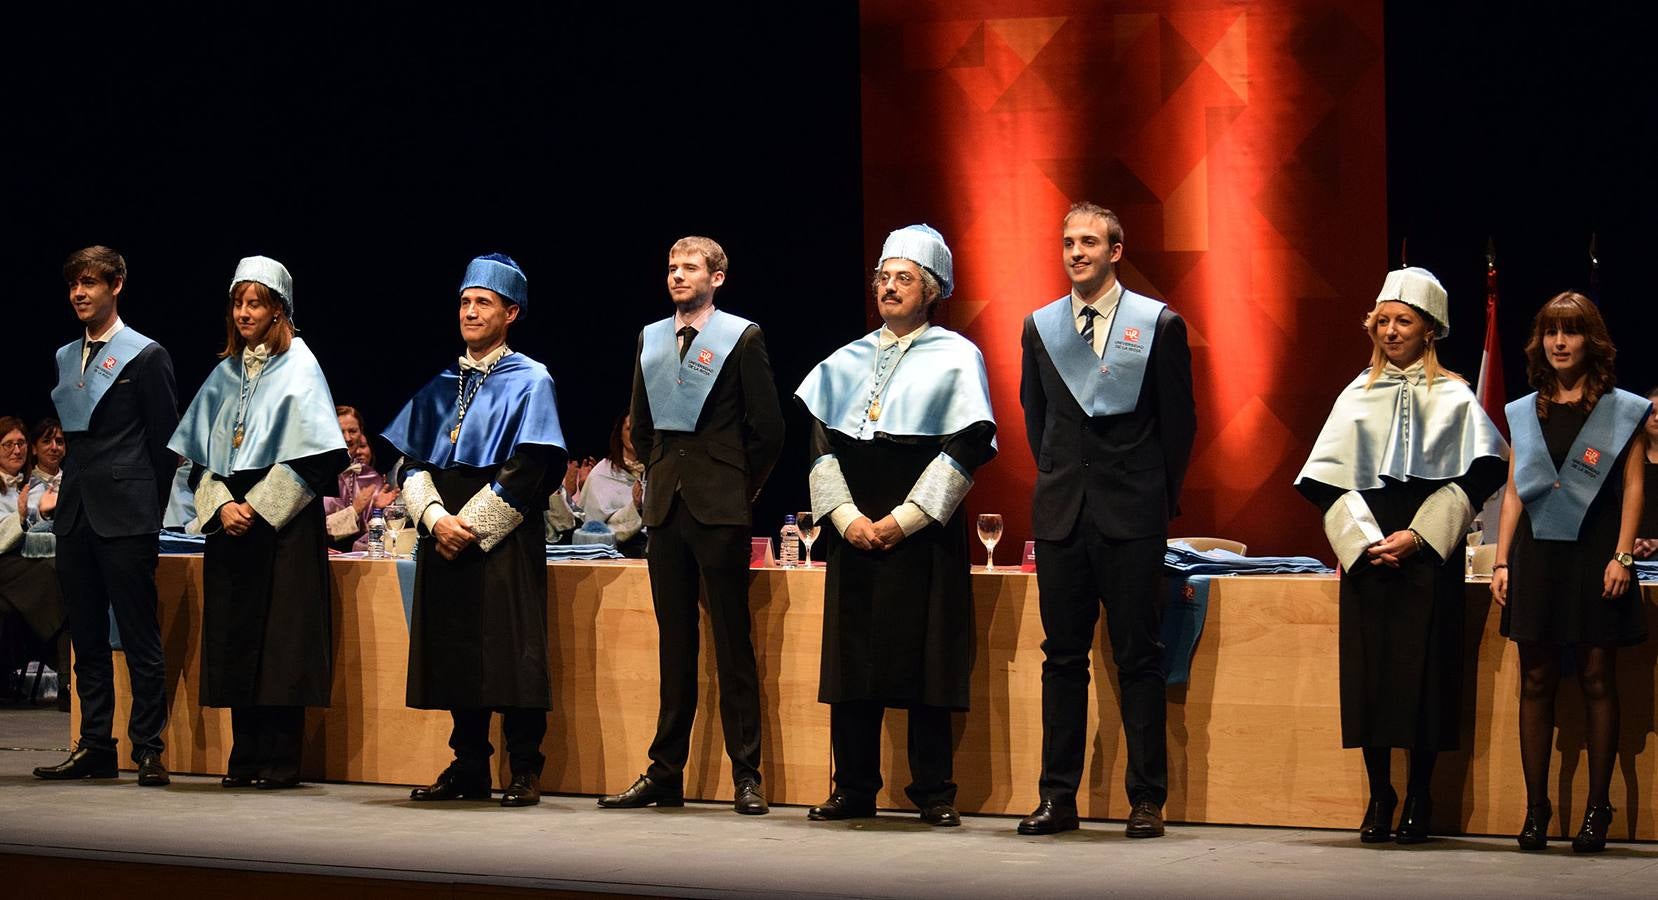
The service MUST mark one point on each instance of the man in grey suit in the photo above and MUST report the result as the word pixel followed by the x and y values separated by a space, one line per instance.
pixel 1106 385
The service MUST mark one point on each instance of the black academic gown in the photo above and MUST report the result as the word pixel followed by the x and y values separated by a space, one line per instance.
pixel 898 624
pixel 267 620
pixel 479 638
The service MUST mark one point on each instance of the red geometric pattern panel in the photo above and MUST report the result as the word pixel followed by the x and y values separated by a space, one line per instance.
pixel 1242 144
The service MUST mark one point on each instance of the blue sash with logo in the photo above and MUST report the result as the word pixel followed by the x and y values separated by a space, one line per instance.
pixel 1557 500
pixel 677 389
pixel 1109 386
pixel 78 393
pixel 287 418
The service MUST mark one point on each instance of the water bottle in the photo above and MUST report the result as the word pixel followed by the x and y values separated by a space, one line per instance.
pixel 377 534
pixel 788 544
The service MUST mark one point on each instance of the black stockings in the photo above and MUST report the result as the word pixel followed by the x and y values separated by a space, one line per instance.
pixel 1378 765
pixel 1539 679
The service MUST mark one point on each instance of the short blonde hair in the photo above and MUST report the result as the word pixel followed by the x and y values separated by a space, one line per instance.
pixel 710 249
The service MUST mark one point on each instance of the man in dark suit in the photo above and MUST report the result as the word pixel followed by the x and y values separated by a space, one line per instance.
pixel 1106 386
pixel 116 400
pixel 706 421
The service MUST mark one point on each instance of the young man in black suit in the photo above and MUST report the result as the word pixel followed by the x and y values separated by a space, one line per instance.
pixel 707 423
pixel 1106 386
pixel 116 399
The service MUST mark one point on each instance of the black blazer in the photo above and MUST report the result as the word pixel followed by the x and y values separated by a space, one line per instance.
pixel 119 472
pixel 717 470
pixel 1129 466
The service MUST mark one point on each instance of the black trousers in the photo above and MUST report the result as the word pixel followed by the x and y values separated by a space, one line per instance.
pixel 1075 577
pixel 855 735
pixel 266 742
pixel 683 552
pixel 523 730
pixel 98 575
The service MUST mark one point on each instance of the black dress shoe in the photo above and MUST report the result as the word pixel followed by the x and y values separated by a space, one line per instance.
pixel 1050 817
pixel 840 806
pixel 85 762
pixel 236 781
pixel 941 815
pixel 1377 827
pixel 1534 835
pixel 525 790
pixel 1146 821
pixel 276 784
pixel 750 802
pixel 1413 820
pixel 452 785
pixel 644 792
pixel 151 773
pixel 1591 838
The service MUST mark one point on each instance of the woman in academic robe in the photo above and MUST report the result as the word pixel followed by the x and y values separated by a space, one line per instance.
pixel 1565 570
pixel 28 578
pixel 1404 461
pixel 613 491
pixel 264 447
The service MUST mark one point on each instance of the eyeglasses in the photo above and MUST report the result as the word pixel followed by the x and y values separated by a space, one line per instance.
pixel 9 446
pixel 901 277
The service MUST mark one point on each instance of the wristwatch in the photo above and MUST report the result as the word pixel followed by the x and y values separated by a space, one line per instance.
pixel 1624 559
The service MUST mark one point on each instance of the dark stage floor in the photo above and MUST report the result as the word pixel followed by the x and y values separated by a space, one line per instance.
pixel 334 834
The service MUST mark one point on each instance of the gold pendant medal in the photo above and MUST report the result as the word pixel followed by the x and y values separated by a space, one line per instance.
pixel 455 434
pixel 875 410
pixel 236 440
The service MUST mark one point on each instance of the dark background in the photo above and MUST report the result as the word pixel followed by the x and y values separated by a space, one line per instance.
pixel 375 152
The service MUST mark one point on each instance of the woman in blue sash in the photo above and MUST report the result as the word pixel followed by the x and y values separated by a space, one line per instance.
pixel 1403 462
pixel 264 447
pixel 1564 572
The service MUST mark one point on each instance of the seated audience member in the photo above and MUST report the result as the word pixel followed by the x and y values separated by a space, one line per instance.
pixel 361 487
pixel 612 491
pixel 1646 545
pixel 28 577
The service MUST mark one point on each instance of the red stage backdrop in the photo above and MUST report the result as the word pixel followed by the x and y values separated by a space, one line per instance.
pixel 1242 145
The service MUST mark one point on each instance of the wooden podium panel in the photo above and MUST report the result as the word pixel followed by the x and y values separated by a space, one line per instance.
pixel 1254 738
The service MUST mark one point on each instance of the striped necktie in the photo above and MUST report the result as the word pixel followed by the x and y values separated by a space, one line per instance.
pixel 1089 314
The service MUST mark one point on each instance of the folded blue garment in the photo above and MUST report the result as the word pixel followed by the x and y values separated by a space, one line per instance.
pixel 1186 560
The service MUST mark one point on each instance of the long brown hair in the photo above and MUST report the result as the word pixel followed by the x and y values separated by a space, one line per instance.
pixel 277 339
pixel 1575 314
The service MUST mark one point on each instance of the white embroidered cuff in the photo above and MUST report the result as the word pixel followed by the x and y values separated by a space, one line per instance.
pixel 910 518
pixel 211 494
pixel 625 522
pixel 1351 527
pixel 490 518
pixel 1443 519
pixel 828 488
pixel 560 516
pixel 280 495
pixel 39 545
pixel 940 488
pixel 11 531
pixel 421 499
pixel 342 523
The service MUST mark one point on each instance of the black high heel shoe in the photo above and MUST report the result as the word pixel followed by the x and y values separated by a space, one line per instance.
pixel 1591 838
pixel 1378 819
pixel 1534 835
pixel 1413 821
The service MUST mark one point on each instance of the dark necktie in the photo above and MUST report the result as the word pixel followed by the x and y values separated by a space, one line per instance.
pixel 686 336
pixel 1088 315
pixel 92 349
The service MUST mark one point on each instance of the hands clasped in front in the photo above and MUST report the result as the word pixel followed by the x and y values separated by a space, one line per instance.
pixel 867 535
pixel 236 518
pixel 1393 549
pixel 453 535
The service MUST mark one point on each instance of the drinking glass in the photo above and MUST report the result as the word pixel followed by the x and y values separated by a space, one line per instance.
pixel 395 514
pixel 990 531
pixel 808 525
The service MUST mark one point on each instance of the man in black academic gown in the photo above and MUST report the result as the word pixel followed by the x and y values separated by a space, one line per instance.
pixel 483 439
pixel 116 400
pixel 707 424
pixel 902 420
pixel 1106 384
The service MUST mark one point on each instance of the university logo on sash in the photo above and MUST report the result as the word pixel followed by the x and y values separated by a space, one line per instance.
pixel 1557 500
pixel 1102 386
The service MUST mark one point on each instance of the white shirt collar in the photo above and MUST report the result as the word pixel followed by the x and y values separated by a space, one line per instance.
pixel 698 321
pixel 885 338
pixel 490 359
pixel 1104 306
pixel 1414 372
pixel 109 332
pixel 13 482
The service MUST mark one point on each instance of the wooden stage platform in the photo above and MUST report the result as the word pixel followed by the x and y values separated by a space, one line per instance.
pixel 1253 739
